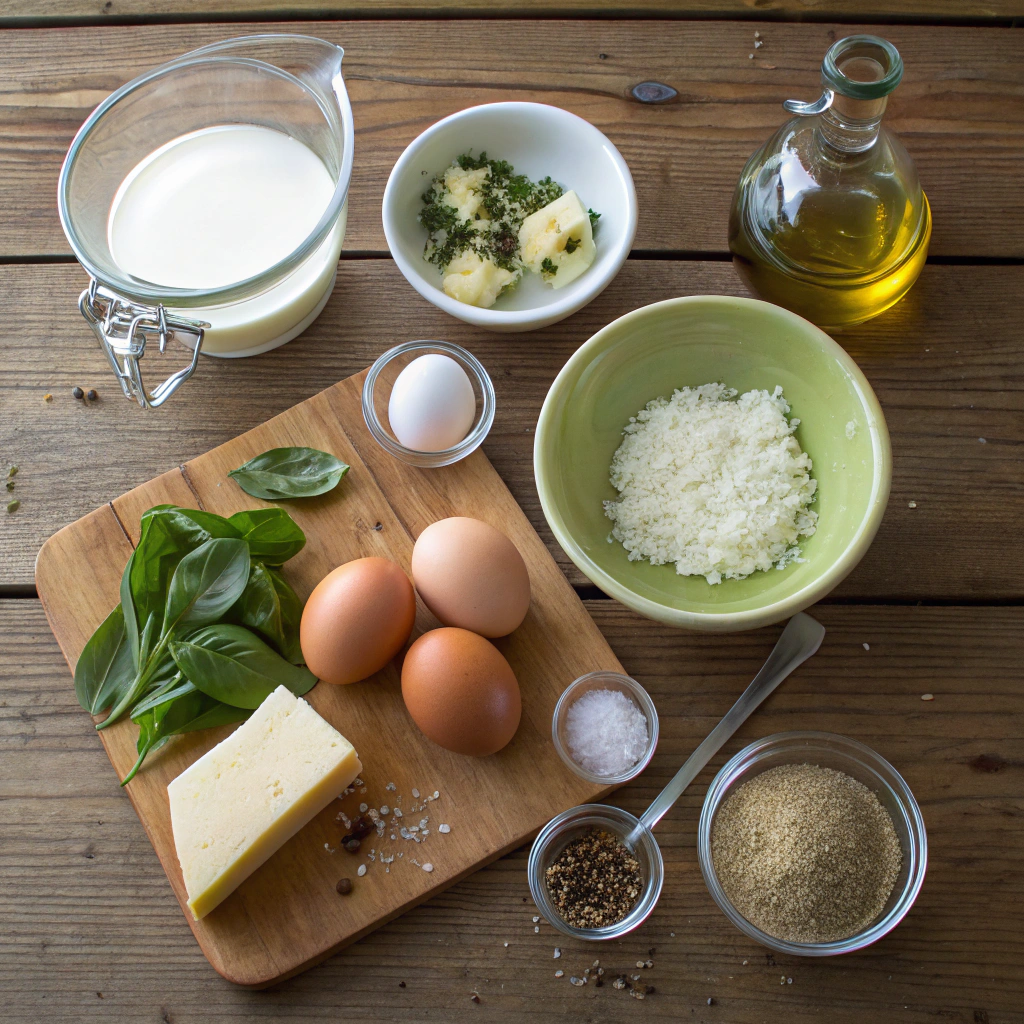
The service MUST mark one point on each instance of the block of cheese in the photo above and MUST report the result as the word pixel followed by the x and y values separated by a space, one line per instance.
pixel 245 798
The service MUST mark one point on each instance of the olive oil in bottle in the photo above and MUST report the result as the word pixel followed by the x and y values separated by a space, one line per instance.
pixel 829 218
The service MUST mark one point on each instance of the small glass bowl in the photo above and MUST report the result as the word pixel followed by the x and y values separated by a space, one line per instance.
pixel 861 763
pixel 567 826
pixel 377 393
pixel 604 681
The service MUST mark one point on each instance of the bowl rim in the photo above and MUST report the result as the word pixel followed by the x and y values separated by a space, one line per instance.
pixel 753 617
pixel 639 696
pixel 843 747
pixel 473 368
pixel 536 316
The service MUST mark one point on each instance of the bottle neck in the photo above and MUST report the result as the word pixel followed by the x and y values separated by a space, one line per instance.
pixel 852 125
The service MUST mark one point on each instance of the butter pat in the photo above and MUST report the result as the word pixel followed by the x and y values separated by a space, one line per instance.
pixel 476 281
pixel 243 800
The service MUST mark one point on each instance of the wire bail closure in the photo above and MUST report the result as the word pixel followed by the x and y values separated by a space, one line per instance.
pixel 123 328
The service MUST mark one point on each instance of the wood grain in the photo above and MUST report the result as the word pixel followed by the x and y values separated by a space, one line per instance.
pixel 946 363
pixel 958 110
pixel 286 916
pixel 58 11
pixel 90 930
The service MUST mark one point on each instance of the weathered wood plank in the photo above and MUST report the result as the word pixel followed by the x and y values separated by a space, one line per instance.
pixel 946 364
pixel 959 109
pixel 35 11
pixel 90 931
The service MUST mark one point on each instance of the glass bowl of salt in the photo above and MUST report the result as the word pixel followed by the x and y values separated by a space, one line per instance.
pixel 605 727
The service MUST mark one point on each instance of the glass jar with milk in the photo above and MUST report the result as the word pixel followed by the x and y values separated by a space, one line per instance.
pixel 207 200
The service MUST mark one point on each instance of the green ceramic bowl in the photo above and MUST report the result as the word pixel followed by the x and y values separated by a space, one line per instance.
pixel 744 344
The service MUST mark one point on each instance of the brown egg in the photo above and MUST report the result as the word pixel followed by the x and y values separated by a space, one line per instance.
pixel 471 575
pixel 357 619
pixel 461 691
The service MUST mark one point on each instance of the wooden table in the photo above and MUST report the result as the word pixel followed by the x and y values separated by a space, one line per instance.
pixel 89 929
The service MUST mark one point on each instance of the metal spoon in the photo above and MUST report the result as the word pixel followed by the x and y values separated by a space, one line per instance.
pixel 800 639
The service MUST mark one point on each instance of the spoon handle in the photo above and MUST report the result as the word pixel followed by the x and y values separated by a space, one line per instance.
pixel 800 639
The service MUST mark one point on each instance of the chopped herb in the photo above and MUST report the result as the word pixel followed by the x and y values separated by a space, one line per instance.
pixel 548 269
pixel 10 485
pixel 13 471
pixel 13 506
pixel 572 245
pixel 594 218
pixel 506 200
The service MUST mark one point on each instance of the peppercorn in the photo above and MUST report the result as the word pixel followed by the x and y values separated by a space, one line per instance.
pixel 344 886
pixel 91 395
pixel 78 392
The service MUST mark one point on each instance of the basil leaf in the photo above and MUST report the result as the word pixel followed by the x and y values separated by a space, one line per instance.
pixel 206 583
pixel 176 686
pixel 166 536
pixel 131 621
pixel 272 535
pixel 176 715
pixel 235 666
pixel 219 714
pixel 289 473
pixel 269 606
pixel 105 667
pixel 213 524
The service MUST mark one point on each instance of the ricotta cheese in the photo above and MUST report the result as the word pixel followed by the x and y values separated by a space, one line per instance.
pixel 244 799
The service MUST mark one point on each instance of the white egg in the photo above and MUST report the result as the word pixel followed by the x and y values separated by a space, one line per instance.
pixel 432 405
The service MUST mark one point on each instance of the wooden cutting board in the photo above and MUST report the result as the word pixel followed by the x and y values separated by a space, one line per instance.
pixel 287 916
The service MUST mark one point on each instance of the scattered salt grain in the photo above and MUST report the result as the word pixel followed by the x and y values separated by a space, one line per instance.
pixel 927 696
pixel 851 430
pixel 416 794
pixel 536 929
pixel 558 952
pixel 428 867
pixel 445 829
pixel 361 870
pixel 398 812
pixel 363 808
pixel 535 918
pixel 911 504
pixel 867 647
pixel 383 808
pixel 390 787
pixel 558 974
pixel 606 732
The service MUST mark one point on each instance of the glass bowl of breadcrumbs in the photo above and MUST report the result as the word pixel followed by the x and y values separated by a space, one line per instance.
pixel 812 844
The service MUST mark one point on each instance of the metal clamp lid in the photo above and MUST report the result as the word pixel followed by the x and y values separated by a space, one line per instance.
pixel 123 327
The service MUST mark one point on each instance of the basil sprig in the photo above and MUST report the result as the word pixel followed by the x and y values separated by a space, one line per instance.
pixel 283 473
pixel 179 653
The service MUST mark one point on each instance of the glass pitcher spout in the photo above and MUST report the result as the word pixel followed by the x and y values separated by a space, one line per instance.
pixel 829 218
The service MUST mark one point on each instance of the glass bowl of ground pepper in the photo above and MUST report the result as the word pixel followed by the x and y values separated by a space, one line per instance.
pixel 812 844
pixel 595 872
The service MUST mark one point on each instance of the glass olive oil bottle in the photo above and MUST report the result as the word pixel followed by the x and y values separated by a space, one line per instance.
pixel 829 218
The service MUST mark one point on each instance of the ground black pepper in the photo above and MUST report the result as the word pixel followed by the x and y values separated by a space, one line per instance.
pixel 595 881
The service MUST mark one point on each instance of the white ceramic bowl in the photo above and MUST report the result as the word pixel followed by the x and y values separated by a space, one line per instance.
pixel 538 140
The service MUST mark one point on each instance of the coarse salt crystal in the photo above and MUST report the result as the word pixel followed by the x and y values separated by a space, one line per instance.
pixel 444 828
pixel 428 867
pixel 363 808
pixel 606 732
pixel 416 796
pixel 361 870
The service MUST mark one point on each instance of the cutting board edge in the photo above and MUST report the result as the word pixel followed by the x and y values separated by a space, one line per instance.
pixel 105 527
